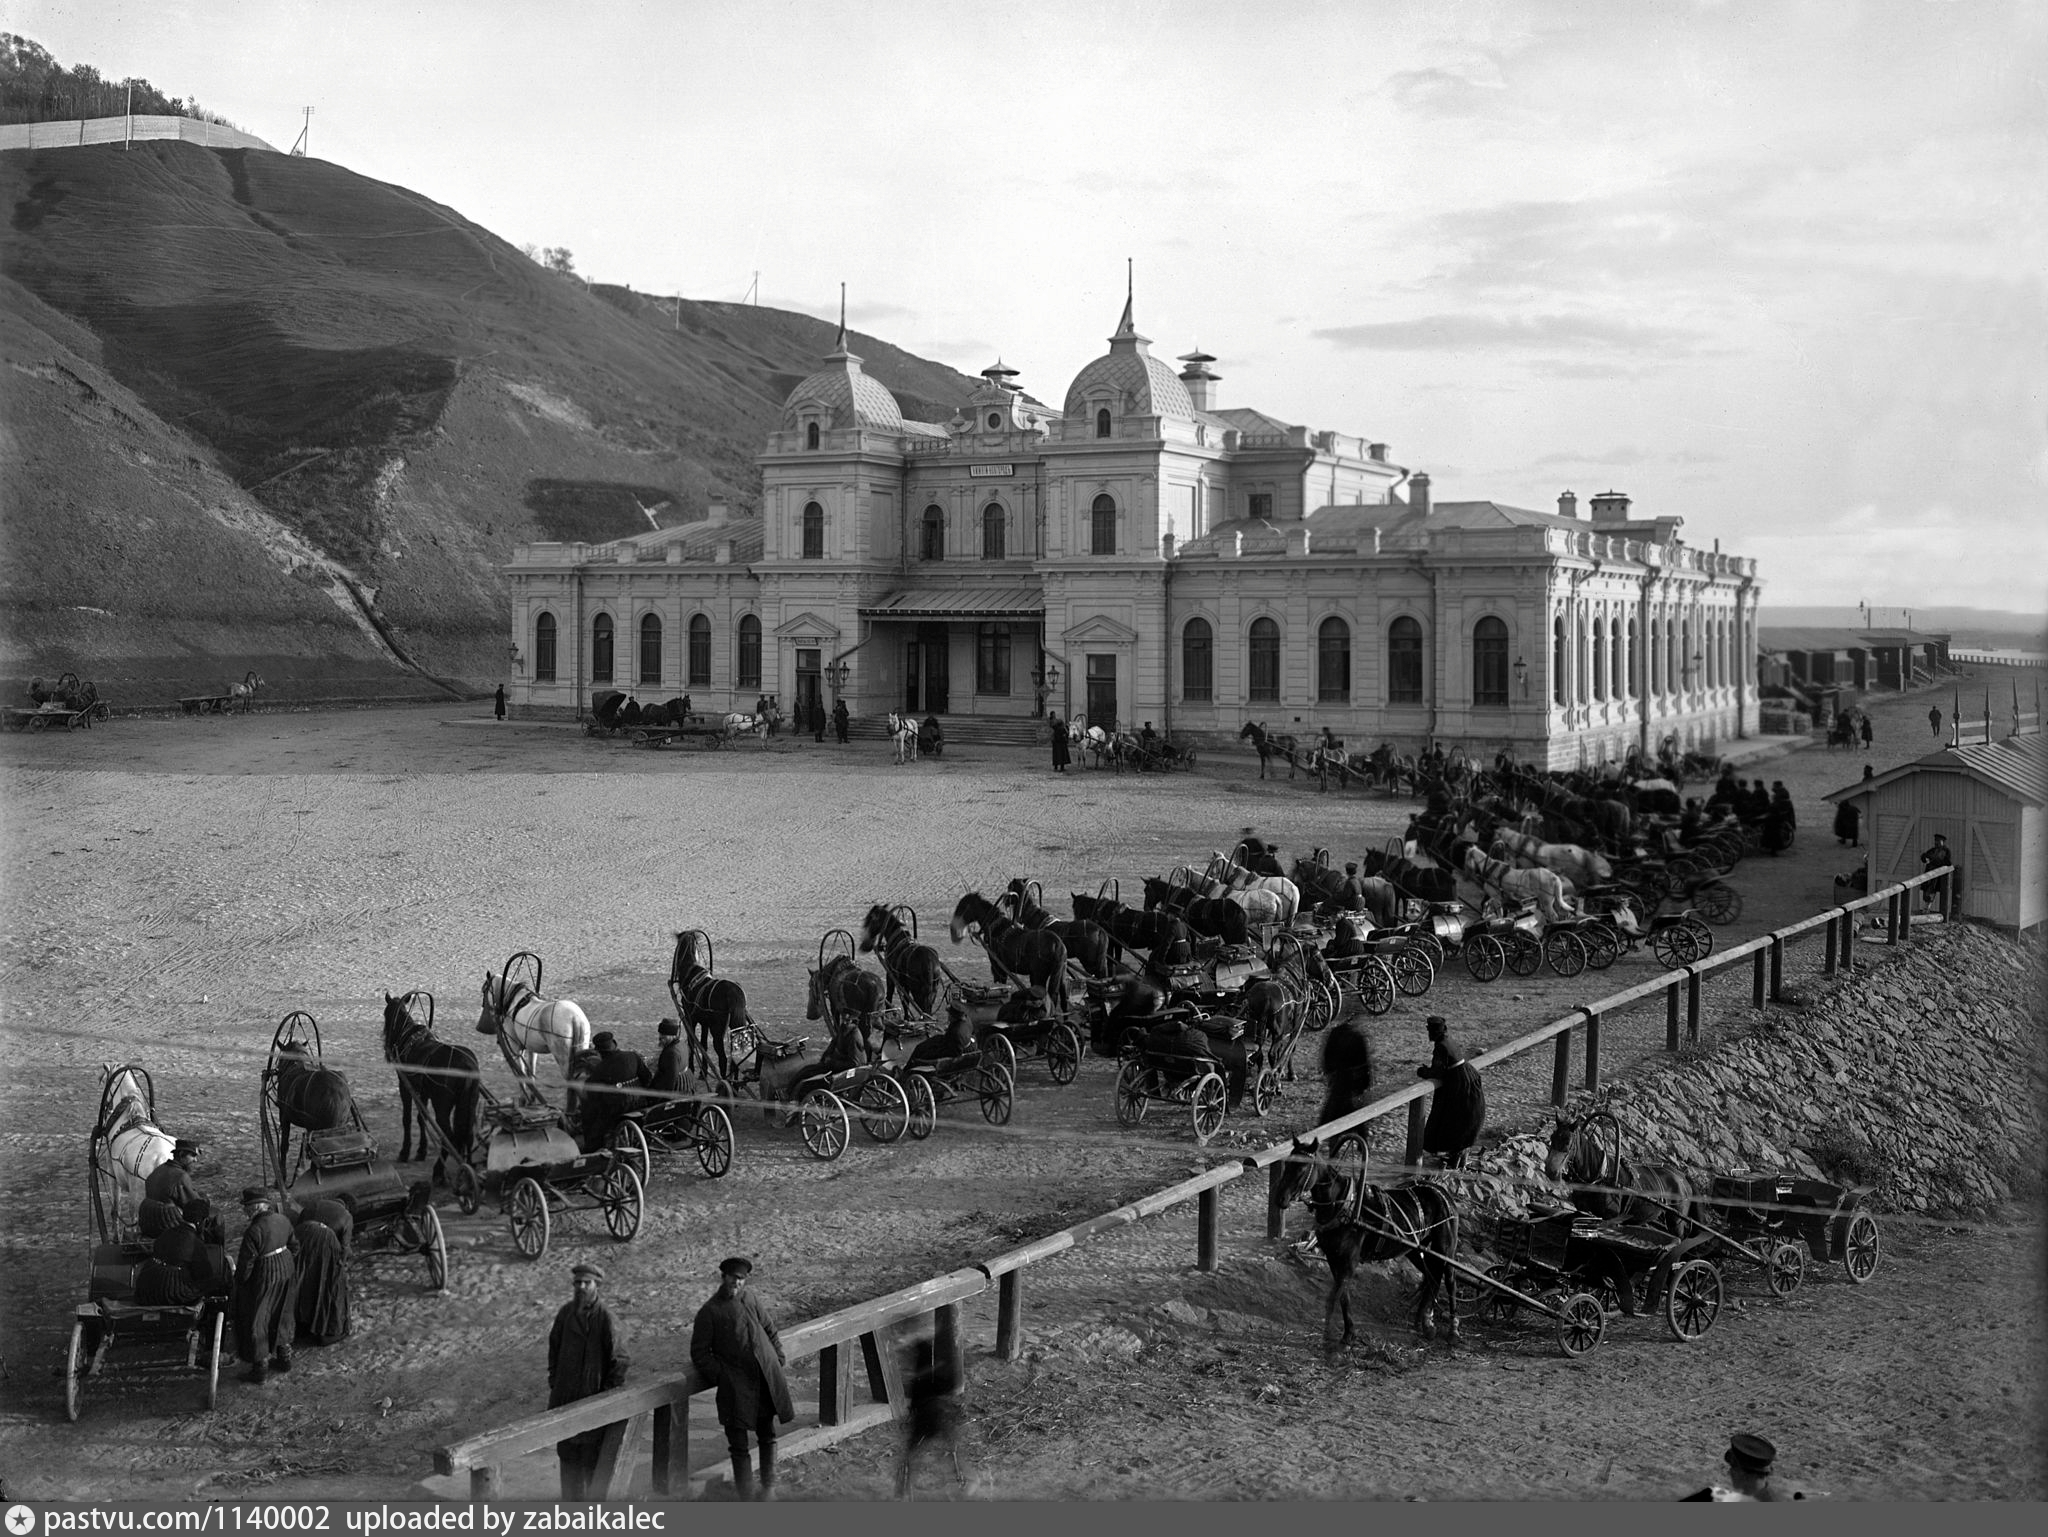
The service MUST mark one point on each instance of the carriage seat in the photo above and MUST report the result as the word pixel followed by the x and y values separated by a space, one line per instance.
pixel 349 1148
pixel 945 1066
pixel 775 1051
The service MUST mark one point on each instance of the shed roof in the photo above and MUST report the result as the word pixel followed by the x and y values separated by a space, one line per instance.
pixel 1806 637
pixel 2018 766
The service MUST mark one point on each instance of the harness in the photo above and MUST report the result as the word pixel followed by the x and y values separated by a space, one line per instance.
pixel 697 985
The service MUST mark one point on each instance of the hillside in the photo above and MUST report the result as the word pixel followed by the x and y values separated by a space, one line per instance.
pixel 262 412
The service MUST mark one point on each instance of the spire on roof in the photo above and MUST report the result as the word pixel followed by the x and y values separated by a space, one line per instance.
pixel 1127 326
pixel 840 352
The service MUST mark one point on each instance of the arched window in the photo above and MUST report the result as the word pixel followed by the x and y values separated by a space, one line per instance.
pixel 1404 662
pixel 1490 661
pixel 1333 662
pixel 992 532
pixel 544 649
pixel 811 436
pixel 1654 662
pixel 700 651
pixel 814 531
pixel 650 648
pixel 601 649
pixel 1582 673
pixel 1599 658
pixel 1197 661
pixel 1265 659
pixel 1102 423
pixel 1557 661
pixel 1689 670
pixel 932 534
pixel 1102 526
pixel 1673 662
pixel 750 652
pixel 1617 667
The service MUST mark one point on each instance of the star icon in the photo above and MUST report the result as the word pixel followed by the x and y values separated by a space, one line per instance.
pixel 20 1520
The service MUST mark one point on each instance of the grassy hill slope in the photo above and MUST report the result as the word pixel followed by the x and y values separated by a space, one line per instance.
pixel 266 412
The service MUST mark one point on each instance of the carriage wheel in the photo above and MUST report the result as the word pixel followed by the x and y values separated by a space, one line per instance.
pixel 825 1127
pixel 630 1143
pixel 1862 1247
pixel 469 1190
pixel 1433 949
pixel 1133 1039
pixel 1580 1324
pixel 1206 1107
pixel 1063 1052
pixel 211 1397
pixel 1265 1091
pixel 884 1108
pixel 1787 1269
pixel 527 1211
pixel 1671 945
pixel 1496 1306
pixel 1692 1299
pixel 1525 954
pixel 1131 1100
pixel 1565 954
pixel 619 1192
pixel 1484 957
pixel 1319 1006
pixel 77 1363
pixel 1687 869
pixel 1414 971
pixel 433 1247
pixel 924 1107
pixel 1003 1053
pixel 713 1139
pixel 1602 948
pixel 1718 902
pixel 1699 937
pixel 998 1097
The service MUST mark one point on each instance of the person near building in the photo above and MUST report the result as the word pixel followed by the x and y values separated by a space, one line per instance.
pixel 1457 1109
pixel 585 1357
pixel 1937 857
pixel 266 1273
pixel 1060 754
pixel 1865 726
pixel 1934 718
pixel 735 1346
pixel 501 702
pixel 817 720
pixel 670 1070
pixel 1848 816
pixel 842 721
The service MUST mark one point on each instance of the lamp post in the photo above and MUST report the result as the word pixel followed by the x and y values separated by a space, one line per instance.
pixel 838 673
pixel 1044 679
pixel 1521 671
pixel 518 660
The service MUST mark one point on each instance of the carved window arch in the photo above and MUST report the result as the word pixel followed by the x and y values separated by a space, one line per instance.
pixel 993 524
pixel 700 651
pixel 1490 662
pixel 1102 526
pixel 650 648
pixel 601 649
pixel 931 544
pixel 1404 661
pixel 749 652
pixel 1264 646
pixel 1197 661
pixel 544 648
pixel 814 531
pixel 811 435
pixel 1102 422
pixel 1333 661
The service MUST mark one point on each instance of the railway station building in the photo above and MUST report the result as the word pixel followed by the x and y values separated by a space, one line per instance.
pixel 1145 553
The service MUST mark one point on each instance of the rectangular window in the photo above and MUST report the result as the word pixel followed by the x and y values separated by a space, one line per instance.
pixel 544 651
pixel 650 653
pixel 750 655
pixel 992 659
pixel 1404 668
pixel 932 542
pixel 1102 531
pixel 1265 659
pixel 700 653
pixel 1198 669
pixel 1262 504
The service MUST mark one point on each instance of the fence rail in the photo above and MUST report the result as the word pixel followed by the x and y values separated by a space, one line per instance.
pixel 73 132
pixel 832 1337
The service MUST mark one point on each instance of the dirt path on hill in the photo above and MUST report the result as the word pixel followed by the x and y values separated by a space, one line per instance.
pixel 175 886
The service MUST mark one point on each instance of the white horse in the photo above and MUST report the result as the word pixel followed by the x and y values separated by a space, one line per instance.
pixel 1234 878
pixel 1546 888
pixel 242 694
pixel 1581 866
pixel 1260 905
pixel 903 732
pixel 136 1146
pixel 527 1024
pixel 746 725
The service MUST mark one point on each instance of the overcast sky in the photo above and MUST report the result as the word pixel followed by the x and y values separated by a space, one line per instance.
pixel 1775 268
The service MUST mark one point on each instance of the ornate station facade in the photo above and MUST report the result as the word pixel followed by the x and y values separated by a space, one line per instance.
pixel 1143 554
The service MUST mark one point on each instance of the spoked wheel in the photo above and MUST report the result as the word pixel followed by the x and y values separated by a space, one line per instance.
pixel 998 1095
pixel 1433 949
pixel 1602 948
pixel 740 1042
pixel 211 1396
pixel 1375 986
pixel 1692 1300
pixel 1525 954
pixel 1130 1092
pixel 77 1363
pixel 1350 1159
pixel 1672 945
pixel 884 1108
pixel 1862 1247
pixel 1581 1323
pixel 1788 1268
pixel 996 1043
pixel 1207 1107
pixel 1718 902
pixel 527 1211
pixel 620 1194
pixel 1414 971
pixel 1265 1091
pixel 924 1106
pixel 1564 953
pixel 1321 1006
pixel 630 1143
pixel 1484 957
pixel 713 1140
pixel 825 1127
pixel 1699 937
pixel 422 1235
pixel 469 1190
pixel 1496 1306
pixel 1062 1052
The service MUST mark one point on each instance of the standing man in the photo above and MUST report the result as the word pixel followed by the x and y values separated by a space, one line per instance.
pixel 817 721
pixel 1457 1110
pixel 734 1345
pixel 1937 857
pixel 1865 724
pixel 266 1271
pixel 584 1358
pixel 1060 755
pixel 1934 718
pixel 603 1107
pixel 501 701
pixel 841 719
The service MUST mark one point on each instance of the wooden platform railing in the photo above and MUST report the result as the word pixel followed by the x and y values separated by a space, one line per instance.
pixel 858 1343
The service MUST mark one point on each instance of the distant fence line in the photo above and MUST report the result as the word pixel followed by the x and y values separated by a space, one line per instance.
pixel 2000 658
pixel 115 130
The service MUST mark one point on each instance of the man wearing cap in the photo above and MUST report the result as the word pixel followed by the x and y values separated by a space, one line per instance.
pixel 1457 1110
pixel 669 1066
pixel 170 1183
pixel 266 1275
pixel 603 1106
pixel 1749 1460
pixel 958 1040
pixel 584 1358
pixel 734 1345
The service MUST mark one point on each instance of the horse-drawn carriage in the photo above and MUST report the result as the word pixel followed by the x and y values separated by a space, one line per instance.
pixel 125 1145
pixel 532 1168
pixel 1174 1075
pixel 768 1070
pixel 337 1157
pixel 72 704
pixel 654 725
pixel 986 1075
pixel 1626 922
pixel 237 696
pixel 1557 1262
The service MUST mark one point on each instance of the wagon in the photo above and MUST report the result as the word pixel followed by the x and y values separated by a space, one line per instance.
pixel 1762 1214
pixel 981 1075
pixel 1676 939
pixel 1556 1263
pixel 694 1124
pixel 1047 1037
pixel 826 1112
pixel 1508 940
pixel 1145 1074
pixel 533 1170
pixel 47 717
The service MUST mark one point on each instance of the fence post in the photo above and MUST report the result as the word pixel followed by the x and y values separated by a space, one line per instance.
pixel 672 1450
pixel 946 1342
pixel 483 1483
pixel 1777 967
pixel 1276 1214
pixel 1413 1156
pixel 1828 966
pixel 1206 1205
pixel 1592 1051
pixel 1561 1068
pixel 1906 899
pixel 1671 1016
pixel 1848 940
pixel 1948 899
pixel 1756 990
pixel 1010 1314
pixel 1692 1007
pixel 835 1399
pixel 1891 919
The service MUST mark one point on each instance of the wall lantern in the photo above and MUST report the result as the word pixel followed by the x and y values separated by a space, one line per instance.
pixel 1521 670
pixel 838 673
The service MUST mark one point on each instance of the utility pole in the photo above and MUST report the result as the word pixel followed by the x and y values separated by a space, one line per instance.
pixel 128 140
pixel 304 143
pixel 754 291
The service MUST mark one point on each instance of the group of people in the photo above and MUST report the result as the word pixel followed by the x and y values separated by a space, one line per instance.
pixel 1771 810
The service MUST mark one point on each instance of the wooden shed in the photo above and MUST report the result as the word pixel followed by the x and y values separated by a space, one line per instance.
pixel 1988 799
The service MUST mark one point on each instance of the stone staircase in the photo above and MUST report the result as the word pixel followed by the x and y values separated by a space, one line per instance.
pixel 966 730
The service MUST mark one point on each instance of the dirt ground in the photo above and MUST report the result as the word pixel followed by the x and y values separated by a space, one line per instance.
pixel 174 887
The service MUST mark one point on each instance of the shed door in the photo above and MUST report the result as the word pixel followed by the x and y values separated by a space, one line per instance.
pixel 1990 884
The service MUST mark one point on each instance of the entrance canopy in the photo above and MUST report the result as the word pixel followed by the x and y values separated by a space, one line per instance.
pixel 958 603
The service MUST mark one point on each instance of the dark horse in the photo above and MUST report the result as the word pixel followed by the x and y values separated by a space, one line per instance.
pixel 1359 1223
pixel 310 1097
pixel 433 1075
pixel 1163 936
pixel 1037 955
pixel 1217 917
pixel 846 997
pixel 1087 942
pixel 1269 746
pixel 710 1006
pixel 1586 1153
pixel 909 966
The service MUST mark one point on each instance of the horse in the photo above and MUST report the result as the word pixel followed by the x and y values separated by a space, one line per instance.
pixel 846 997
pixel 1581 866
pixel 527 1024
pixel 309 1096
pixel 1360 1223
pixel 1038 955
pixel 903 731
pixel 1163 936
pixel 909 967
pixel 1268 746
pixel 1586 1151
pixel 1326 888
pixel 1260 1004
pixel 1088 943
pixel 710 1007
pixel 1543 887
pixel 1236 879
pixel 1211 916
pixel 136 1145
pixel 746 725
pixel 433 1075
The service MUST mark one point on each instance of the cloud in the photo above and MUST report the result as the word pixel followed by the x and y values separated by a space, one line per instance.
pixel 1631 455
pixel 1494 333
pixel 1459 91
pixel 869 313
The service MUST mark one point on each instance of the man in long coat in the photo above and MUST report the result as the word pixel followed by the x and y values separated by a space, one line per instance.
pixel 602 1107
pixel 735 1345
pixel 1457 1110
pixel 670 1071
pixel 584 1358
pixel 321 1307
pixel 266 1275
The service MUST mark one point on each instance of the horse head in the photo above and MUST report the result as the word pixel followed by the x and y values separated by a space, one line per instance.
pixel 398 1025
pixel 971 909
pixel 493 1005
pixel 1253 730
pixel 1300 1174
pixel 874 926
pixel 815 1007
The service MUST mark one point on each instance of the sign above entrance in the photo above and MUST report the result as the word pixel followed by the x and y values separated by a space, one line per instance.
pixel 988 471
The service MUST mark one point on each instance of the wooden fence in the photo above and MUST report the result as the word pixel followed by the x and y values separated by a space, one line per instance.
pixel 857 1343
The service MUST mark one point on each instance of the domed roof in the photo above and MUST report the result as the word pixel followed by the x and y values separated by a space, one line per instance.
pixel 1143 385
pixel 852 398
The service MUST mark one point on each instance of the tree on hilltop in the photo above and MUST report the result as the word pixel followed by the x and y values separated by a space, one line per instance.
pixel 35 88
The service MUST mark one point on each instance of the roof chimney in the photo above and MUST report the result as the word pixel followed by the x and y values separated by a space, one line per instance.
pixel 715 512
pixel 1418 492
pixel 1568 505
pixel 1610 507
pixel 1200 382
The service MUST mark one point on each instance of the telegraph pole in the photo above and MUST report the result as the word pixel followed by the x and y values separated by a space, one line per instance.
pixel 128 139
pixel 304 144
